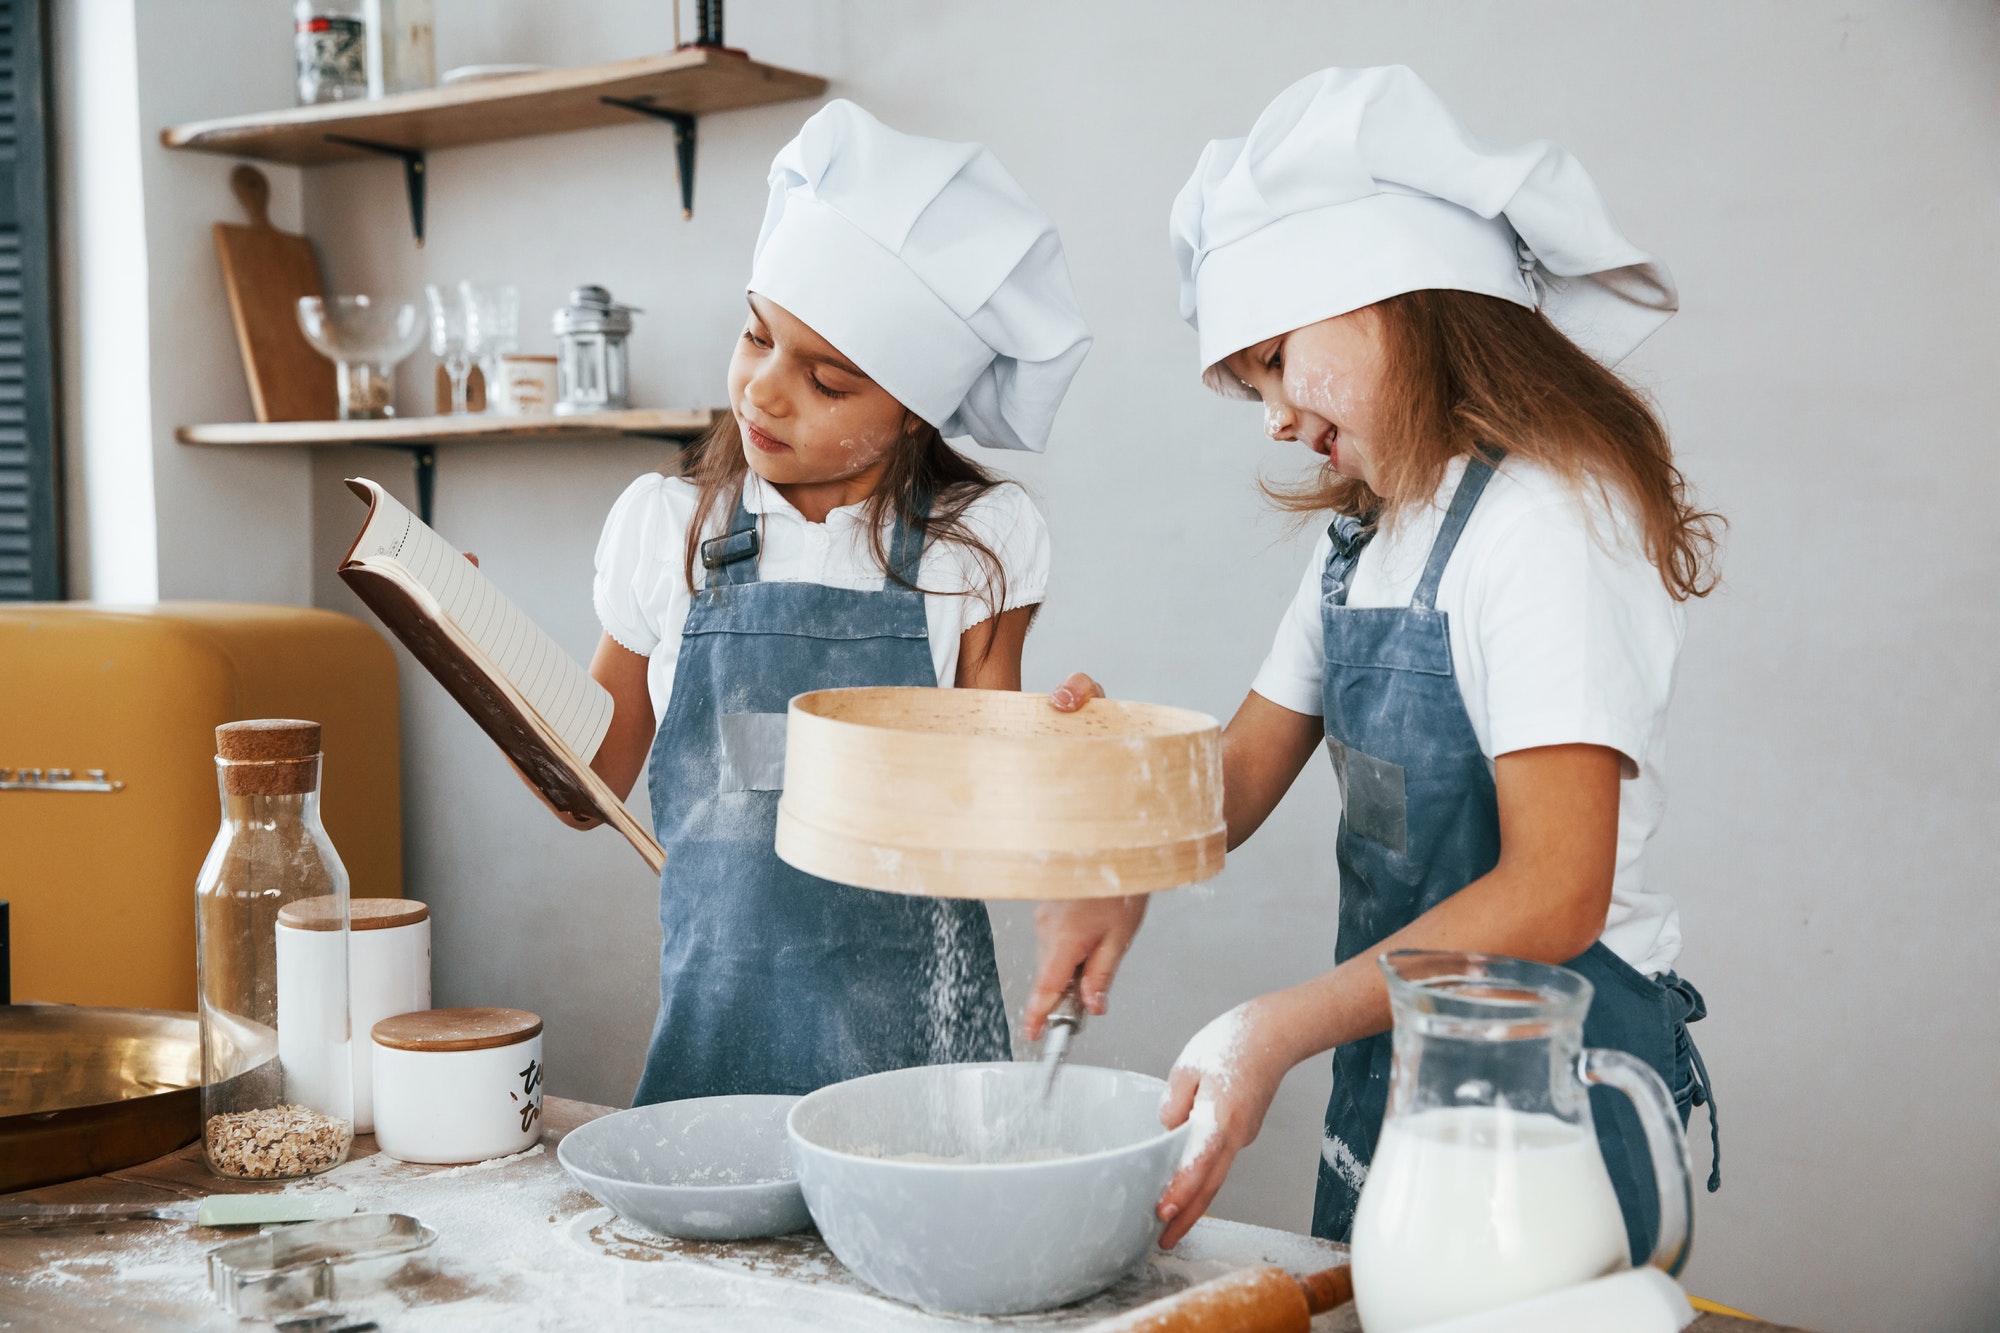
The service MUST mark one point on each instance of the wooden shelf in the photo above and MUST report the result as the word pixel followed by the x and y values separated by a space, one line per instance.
pixel 421 436
pixel 691 82
pixel 477 428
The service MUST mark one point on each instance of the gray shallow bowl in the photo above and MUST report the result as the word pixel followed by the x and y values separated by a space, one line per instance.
pixel 710 1168
pixel 992 1229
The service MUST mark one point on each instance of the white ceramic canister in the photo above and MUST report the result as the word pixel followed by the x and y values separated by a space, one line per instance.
pixel 388 972
pixel 314 1034
pixel 458 1085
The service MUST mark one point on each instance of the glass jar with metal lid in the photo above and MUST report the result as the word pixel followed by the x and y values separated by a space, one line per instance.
pixel 591 360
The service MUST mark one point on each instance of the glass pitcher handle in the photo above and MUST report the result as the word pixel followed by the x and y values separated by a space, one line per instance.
pixel 1667 1141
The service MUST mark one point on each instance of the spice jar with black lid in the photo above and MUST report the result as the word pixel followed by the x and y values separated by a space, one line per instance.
pixel 277 1097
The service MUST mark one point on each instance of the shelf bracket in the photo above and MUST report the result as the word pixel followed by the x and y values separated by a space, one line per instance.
pixel 683 123
pixel 413 173
pixel 426 459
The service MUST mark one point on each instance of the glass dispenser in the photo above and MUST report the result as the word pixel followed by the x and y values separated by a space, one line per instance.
pixel 277 1097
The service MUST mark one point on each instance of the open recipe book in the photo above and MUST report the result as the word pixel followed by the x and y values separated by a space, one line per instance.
pixel 537 702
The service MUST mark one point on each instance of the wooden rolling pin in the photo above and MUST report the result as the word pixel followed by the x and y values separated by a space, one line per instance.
pixel 1257 1300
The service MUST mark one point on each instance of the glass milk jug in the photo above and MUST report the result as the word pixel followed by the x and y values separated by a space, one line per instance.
pixel 1487 1186
pixel 277 1095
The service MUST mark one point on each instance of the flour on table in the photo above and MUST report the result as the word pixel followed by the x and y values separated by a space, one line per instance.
pixel 520 1248
pixel 490 1164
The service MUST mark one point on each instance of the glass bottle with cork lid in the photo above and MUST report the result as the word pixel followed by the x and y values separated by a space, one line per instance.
pixel 277 1097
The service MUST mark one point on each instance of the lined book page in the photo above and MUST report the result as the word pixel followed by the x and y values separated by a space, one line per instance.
pixel 555 684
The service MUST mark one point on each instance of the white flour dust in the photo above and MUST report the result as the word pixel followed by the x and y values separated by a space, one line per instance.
pixel 1202 1129
pixel 948 977
pixel 496 1223
pixel 490 1164
pixel 973 1159
pixel 685 1174
pixel 1345 1164
pixel 965 1020
pixel 1211 1055
pixel 148 1258
pixel 1215 1049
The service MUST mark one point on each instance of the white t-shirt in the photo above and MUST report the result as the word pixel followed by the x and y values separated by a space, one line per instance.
pixel 1561 633
pixel 642 595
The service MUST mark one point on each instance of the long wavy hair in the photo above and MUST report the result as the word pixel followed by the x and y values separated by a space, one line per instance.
pixel 922 467
pixel 1465 370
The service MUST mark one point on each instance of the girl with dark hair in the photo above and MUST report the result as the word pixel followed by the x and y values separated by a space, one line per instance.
pixel 825 535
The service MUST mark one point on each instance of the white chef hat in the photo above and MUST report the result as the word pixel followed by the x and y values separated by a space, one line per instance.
pixel 925 263
pixel 1356 185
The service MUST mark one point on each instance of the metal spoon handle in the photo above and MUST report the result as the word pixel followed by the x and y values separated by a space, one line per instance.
pixel 1064 1022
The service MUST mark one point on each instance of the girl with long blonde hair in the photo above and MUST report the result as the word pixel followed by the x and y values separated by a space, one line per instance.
pixel 1485 639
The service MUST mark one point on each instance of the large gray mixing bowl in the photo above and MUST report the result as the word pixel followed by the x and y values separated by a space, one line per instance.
pixel 956 1188
pixel 709 1168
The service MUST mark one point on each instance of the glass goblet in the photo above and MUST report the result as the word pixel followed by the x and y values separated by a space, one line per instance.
pixel 364 338
pixel 492 321
pixel 451 340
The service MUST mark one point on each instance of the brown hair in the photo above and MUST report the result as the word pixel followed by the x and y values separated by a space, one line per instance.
pixel 1465 370
pixel 921 465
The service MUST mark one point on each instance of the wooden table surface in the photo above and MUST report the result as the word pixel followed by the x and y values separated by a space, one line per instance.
pixel 521 1247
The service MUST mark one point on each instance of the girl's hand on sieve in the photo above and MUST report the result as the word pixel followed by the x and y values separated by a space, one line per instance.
pixel 1074 693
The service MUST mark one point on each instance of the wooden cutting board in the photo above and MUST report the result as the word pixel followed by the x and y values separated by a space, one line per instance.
pixel 266 271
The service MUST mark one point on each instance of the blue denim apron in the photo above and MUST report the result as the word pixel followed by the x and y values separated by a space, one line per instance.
pixel 773 980
pixel 1419 821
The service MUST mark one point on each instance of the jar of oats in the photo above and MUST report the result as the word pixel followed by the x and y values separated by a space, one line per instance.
pixel 277 1097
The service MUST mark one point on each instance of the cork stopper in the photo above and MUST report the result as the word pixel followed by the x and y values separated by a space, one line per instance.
pixel 457 1029
pixel 323 913
pixel 260 740
pixel 268 756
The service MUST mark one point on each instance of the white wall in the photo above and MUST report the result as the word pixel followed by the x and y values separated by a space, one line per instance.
pixel 147 341
pixel 1821 178
pixel 110 530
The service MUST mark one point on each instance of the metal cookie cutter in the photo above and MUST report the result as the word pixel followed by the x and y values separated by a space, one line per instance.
pixel 292 1267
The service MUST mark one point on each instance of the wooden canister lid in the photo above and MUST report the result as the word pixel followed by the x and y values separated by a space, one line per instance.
pixel 362 913
pixel 457 1029
pixel 269 756
pixel 262 740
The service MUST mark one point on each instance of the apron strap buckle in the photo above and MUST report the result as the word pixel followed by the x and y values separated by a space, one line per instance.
pixel 728 549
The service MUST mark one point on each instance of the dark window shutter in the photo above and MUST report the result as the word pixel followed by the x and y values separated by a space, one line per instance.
pixel 30 532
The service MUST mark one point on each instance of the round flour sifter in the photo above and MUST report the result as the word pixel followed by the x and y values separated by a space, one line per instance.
pixel 993 794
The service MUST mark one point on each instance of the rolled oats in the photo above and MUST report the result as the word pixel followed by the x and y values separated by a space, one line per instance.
pixel 276 1142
